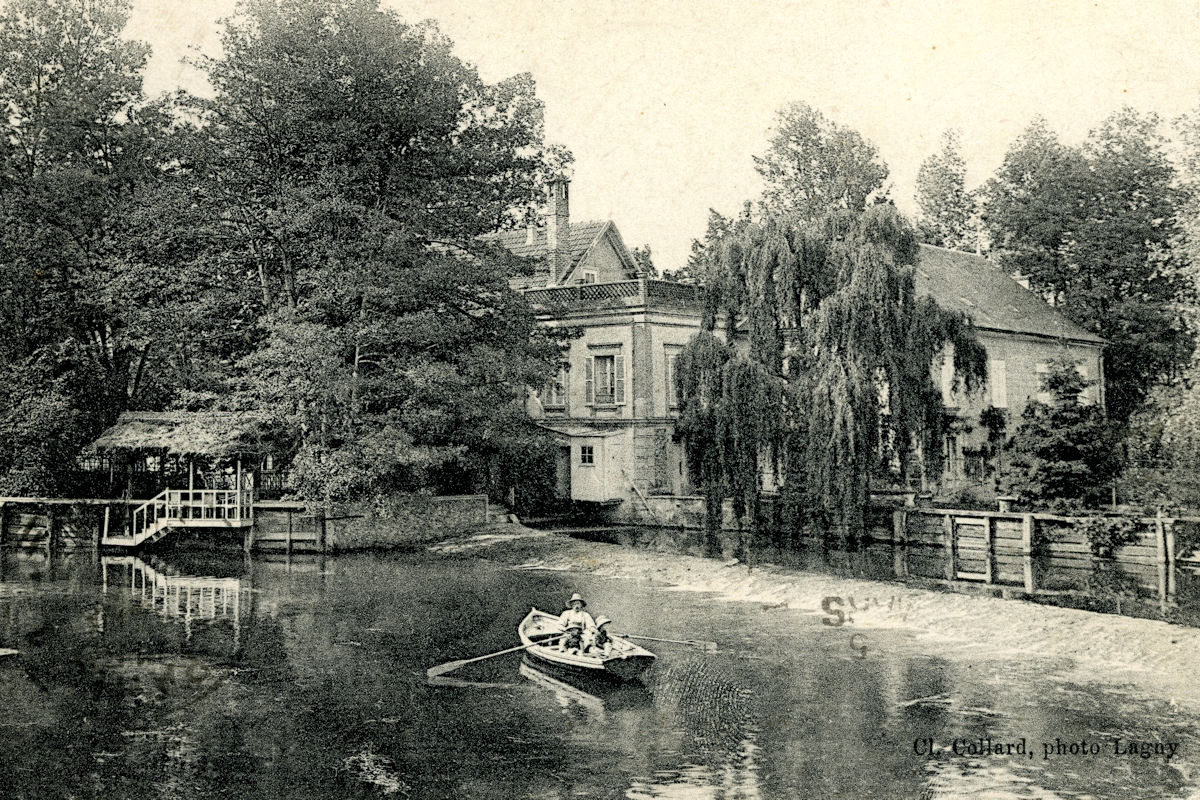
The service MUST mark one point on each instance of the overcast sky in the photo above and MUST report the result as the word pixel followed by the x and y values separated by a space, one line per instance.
pixel 664 102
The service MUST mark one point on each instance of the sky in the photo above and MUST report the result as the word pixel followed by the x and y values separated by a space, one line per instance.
pixel 665 102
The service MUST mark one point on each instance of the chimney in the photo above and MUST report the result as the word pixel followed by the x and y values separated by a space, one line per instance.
pixel 558 228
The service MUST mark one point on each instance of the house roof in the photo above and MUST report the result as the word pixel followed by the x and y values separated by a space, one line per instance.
pixel 979 287
pixel 205 433
pixel 582 237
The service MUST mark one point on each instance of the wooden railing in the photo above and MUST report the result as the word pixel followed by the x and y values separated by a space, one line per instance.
pixel 214 504
pixel 195 506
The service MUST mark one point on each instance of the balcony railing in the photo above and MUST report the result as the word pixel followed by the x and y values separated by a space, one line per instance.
pixel 618 293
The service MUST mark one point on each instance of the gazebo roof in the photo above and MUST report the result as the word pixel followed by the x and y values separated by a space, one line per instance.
pixel 202 433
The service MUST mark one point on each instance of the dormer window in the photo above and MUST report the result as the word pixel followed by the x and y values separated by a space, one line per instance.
pixel 588 276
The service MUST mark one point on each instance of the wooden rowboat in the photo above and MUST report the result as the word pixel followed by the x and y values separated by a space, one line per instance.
pixel 624 660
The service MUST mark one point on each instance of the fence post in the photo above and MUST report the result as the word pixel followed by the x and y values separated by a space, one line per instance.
pixel 989 549
pixel 1160 539
pixel 948 537
pixel 900 526
pixel 1027 526
pixel 900 542
pixel 3 522
pixel 1170 544
pixel 51 531
pixel 289 532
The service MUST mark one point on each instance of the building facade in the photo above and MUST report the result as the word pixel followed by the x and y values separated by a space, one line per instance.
pixel 612 405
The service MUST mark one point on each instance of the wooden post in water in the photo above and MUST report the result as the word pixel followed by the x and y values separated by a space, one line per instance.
pixel 321 531
pixel 3 522
pixel 948 539
pixel 1027 525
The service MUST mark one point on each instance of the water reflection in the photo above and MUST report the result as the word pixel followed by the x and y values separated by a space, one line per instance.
pixel 188 598
pixel 206 676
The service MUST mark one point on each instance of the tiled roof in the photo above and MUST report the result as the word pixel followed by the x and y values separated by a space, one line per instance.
pixel 583 234
pixel 978 286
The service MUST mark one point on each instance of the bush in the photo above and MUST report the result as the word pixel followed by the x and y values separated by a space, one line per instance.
pixel 1105 534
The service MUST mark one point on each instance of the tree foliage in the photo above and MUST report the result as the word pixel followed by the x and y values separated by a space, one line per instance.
pixel 1092 228
pixel 1065 450
pixel 816 360
pixel 76 158
pixel 306 242
pixel 353 162
pixel 813 164
pixel 947 210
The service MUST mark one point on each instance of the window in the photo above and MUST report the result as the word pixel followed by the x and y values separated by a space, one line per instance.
pixel 587 455
pixel 671 356
pixel 554 393
pixel 588 276
pixel 604 381
pixel 998 383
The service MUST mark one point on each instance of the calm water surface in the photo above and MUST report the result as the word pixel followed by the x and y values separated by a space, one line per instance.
pixel 200 676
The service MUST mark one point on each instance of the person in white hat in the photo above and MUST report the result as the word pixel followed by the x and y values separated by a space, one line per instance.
pixel 575 614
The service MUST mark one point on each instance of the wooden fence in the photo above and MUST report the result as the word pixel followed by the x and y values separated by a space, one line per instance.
pixel 999 547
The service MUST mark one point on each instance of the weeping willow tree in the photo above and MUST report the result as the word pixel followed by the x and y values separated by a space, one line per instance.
pixel 816 360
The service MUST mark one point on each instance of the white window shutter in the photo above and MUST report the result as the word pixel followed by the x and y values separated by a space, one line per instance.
pixel 619 369
pixel 589 380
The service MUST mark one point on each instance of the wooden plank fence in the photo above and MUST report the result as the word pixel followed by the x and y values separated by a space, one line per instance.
pixel 998 546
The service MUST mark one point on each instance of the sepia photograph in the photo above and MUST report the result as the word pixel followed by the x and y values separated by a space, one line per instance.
pixel 447 399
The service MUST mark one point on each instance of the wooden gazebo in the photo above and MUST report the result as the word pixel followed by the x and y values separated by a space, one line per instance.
pixel 195 469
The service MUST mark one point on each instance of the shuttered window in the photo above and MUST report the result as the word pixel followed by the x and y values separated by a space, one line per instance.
pixel 604 380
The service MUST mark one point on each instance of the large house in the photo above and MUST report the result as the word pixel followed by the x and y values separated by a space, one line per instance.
pixel 612 404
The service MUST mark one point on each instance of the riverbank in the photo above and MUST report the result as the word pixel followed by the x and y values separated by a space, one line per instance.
pixel 1155 657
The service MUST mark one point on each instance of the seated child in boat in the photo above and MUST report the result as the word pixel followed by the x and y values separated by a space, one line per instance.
pixel 600 640
pixel 572 642
pixel 575 613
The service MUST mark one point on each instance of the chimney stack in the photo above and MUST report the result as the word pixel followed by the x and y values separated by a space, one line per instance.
pixel 558 228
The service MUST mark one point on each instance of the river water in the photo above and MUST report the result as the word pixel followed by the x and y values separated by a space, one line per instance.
pixel 202 675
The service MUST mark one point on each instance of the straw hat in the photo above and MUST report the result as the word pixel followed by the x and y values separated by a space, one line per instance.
pixel 579 597
pixel 601 621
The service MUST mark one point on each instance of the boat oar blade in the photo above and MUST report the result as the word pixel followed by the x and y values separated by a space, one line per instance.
pixel 442 669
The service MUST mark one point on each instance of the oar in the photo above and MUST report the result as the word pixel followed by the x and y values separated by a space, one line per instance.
pixel 708 646
pixel 450 666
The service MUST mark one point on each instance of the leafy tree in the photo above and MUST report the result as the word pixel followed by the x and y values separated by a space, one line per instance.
pixel 948 210
pixel 828 379
pixel 1092 228
pixel 813 165
pixel 76 153
pixel 349 164
pixel 1063 451
pixel 644 260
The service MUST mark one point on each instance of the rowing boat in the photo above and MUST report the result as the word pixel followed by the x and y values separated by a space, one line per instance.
pixel 624 660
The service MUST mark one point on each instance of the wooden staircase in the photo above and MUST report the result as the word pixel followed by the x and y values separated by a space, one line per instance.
pixel 173 509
